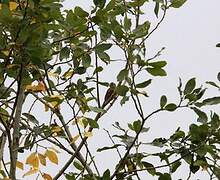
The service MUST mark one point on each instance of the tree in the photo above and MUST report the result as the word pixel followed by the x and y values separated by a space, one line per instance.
pixel 52 92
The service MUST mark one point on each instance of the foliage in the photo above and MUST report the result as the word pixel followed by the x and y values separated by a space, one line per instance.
pixel 56 59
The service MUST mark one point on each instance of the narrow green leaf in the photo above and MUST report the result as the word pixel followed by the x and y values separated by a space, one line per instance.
pixel 163 101
pixel 31 118
pixel 108 147
pixel 96 109
pixel 78 165
pixel 144 84
pixel 190 85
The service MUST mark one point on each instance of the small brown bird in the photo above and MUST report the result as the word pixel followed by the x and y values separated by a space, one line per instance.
pixel 110 94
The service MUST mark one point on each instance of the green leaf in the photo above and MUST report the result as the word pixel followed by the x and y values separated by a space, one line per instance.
pixel 122 75
pixel 165 176
pixel 4 115
pixel 96 109
pixel 213 84
pixel 156 8
pixel 31 118
pixel 99 3
pixel 141 30
pixel 177 3
pixel 194 169
pixel 80 70
pixel 64 53
pixel 78 165
pixel 103 47
pixel 106 175
pixel 104 57
pixel 127 23
pixel 122 90
pixel 156 71
pixel 170 107
pixel 175 166
pixel 93 123
pixel 144 84
pixel 108 147
pixel 137 126
pixel 158 64
pixel 203 118
pixel 209 101
pixel 163 101
pixel 190 85
pixel 150 168
pixel 86 60
pixel 80 12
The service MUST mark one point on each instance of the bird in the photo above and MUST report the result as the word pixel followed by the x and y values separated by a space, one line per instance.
pixel 110 94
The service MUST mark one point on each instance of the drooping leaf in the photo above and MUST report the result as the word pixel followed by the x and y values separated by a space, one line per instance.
pixel 52 156
pixel 33 160
pixel 30 172
pixel 31 118
pixel 78 165
pixel 203 118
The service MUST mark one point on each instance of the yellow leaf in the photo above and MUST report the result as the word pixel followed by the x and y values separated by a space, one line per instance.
pixel 20 165
pixel 74 139
pixel 88 134
pixel 46 108
pixel 46 176
pixel 30 172
pixel 6 52
pixel 52 156
pixel 54 149
pixel 52 74
pixel 0 6
pixel 42 159
pixel 13 5
pixel 5 178
pixel 36 88
pixel 33 160
pixel 68 74
pixel 79 121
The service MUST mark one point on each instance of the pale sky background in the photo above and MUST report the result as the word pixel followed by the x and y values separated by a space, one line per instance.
pixel 189 35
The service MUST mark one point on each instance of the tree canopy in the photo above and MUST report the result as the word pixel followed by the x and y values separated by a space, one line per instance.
pixel 53 93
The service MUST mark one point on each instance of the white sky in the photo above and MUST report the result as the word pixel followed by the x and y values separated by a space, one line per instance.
pixel 189 35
